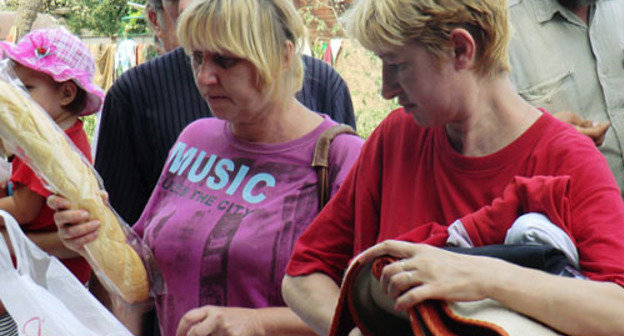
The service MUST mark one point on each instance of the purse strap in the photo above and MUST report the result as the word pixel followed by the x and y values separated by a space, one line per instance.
pixel 320 161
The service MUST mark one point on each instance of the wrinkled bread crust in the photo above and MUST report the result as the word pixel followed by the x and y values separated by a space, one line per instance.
pixel 51 154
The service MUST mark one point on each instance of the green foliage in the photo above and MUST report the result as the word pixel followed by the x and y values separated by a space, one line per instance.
pixel 135 23
pixel 99 17
pixel 89 126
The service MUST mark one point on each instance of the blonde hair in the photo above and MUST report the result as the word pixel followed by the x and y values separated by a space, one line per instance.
pixel 382 25
pixel 255 30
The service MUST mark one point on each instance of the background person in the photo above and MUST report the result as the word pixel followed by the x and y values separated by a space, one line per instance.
pixel 461 137
pixel 566 56
pixel 236 190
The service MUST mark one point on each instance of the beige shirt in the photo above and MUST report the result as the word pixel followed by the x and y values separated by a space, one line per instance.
pixel 560 63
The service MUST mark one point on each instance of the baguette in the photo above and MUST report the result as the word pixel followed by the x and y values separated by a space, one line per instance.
pixel 50 153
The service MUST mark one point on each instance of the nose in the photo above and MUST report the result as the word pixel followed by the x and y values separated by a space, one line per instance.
pixel 206 74
pixel 389 85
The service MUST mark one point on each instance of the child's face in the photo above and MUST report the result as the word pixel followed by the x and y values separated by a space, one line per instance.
pixel 43 89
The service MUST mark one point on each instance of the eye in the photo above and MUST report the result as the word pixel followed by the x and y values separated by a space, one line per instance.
pixel 397 65
pixel 197 58
pixel 225 61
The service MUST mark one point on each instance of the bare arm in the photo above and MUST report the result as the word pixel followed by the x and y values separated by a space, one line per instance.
pixel 233 321
pixel 572 306
pixel 24 205
pixel 52 244
pixel 314 298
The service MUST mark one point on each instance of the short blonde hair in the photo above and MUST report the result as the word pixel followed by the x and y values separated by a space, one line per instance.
pixel 382 25
pixel 255 30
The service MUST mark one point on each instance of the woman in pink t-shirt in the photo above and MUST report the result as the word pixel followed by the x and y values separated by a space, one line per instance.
pixel 237 190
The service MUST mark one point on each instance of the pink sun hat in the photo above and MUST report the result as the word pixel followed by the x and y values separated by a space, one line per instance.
pixel 63 56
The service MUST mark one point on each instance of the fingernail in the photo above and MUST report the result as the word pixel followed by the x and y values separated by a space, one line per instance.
pixel 84 215
pixel 595 123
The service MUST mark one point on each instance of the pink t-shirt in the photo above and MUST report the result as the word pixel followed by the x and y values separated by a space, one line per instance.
pixel 226 213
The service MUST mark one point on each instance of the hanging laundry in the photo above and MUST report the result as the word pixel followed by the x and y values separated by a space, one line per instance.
pixel 335 44
pixel 125 57
pixel 104 56
pixel 327 55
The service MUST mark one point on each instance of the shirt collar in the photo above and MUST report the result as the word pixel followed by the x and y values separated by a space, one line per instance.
pixel 546 9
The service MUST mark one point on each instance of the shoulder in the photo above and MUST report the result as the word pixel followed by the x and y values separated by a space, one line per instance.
pixel 564 151
pixel 205 127
pixel 558 136
pixel 516 3
pixel 319 70
pixel 399 126
pixel 346 144
pixel 146 73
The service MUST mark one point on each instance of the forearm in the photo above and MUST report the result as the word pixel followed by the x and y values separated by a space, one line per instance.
pixel 131 315
pixel 283 321
pixel 8 204
pixel 314 298
pixel 51 243
pixel 572 306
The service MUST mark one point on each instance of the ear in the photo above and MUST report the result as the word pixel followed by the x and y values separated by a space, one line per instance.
pixel 464 49
pixel 152 16
pixel 68 92
pixel 289 53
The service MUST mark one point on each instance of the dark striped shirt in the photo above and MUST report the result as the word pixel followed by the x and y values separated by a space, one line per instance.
pixel 148 106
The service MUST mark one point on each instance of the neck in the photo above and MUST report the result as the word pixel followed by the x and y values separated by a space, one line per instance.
pixel 582 12
pixel 282 123
pixel 66 120
pixel 496 116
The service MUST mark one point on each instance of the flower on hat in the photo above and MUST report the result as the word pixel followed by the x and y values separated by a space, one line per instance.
pixel 39 44
pixel 42 51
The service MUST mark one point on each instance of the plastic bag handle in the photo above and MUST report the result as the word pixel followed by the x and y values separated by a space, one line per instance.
pixel 26 252
pixel 6 264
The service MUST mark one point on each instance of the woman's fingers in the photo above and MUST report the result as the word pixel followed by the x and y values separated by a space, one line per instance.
pixel 401 282
pixel 76 236
pixel 58 203
pixel 70 217
pixel 412 297
pixel 394 248
pixel 190 319
pixel 75 231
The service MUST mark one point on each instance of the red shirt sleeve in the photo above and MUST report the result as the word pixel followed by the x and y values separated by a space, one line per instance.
pixel 23 175
pixel 349 222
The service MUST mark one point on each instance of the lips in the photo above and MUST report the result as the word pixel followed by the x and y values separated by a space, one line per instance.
pixel 407 105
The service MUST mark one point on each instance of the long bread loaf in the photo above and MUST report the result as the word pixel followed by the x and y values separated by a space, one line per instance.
pixel 49 151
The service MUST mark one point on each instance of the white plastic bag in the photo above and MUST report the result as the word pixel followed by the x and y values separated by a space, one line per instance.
pixel 43 297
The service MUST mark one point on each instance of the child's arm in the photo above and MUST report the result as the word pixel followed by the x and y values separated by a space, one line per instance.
pixel 51 243
pixel 24 205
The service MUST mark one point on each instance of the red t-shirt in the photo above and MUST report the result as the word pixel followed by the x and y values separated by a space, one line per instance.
pixel 22 175
pixel 408 177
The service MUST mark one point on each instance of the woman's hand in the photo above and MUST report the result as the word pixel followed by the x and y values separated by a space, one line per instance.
pixel 74 227
pixel 425 272
pixel 220 321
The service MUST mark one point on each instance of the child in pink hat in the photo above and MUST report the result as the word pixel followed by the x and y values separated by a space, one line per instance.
pixel 57 70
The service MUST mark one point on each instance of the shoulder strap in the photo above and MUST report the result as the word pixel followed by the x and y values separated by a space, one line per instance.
pixel 320 162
